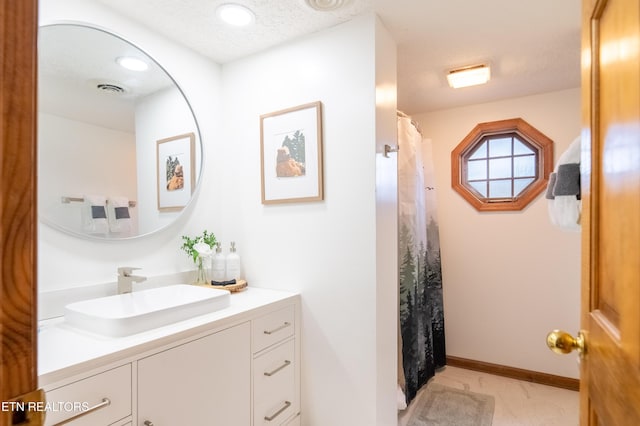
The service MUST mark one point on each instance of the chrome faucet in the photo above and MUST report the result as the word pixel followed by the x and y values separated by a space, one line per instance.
pixel 125 279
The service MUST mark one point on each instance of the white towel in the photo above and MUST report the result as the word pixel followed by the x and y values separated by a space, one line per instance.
pixel 564 210
pixel 94 215
pixel 402 401
pixel 119 215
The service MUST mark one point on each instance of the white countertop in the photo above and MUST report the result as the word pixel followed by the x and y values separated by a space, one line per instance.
pixel 64 351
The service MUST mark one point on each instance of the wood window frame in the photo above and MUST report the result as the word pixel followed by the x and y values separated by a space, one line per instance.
pixel 532 137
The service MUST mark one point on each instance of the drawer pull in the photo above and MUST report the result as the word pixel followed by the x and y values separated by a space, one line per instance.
pixel 105 402
pixel 287 404
pixel 148 423
pixel 271 373
pixel 285 325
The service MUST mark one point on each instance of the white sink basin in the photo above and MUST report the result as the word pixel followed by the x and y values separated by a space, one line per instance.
pixel 130 313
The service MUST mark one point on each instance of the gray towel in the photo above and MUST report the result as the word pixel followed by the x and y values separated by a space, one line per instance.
pixel 122 212
pixel 552 183
pixel 568 180
pixel 98 212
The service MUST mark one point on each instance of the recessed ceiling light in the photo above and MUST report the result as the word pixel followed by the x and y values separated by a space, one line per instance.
pixel 469 76
pixel 235 14
pixel 131 63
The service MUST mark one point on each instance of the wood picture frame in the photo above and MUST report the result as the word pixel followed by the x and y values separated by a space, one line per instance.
pixel 291 155
pixel 176 171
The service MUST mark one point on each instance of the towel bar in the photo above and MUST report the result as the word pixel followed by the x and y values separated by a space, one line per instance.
pixel 67 200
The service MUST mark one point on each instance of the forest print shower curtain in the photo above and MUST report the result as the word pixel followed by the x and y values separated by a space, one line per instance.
pixel 420 277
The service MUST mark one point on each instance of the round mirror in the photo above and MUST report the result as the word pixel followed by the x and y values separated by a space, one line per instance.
pixel 119 148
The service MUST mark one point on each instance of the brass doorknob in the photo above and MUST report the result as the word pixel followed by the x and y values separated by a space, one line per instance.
pixel 562 342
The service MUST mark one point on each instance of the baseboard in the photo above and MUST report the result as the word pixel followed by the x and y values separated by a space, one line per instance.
pixel 515 373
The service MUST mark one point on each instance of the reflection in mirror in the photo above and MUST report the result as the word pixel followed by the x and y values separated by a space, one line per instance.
pixel 101 173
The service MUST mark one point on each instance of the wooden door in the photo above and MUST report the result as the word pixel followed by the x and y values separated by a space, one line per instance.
pixel 610 372
pixel 18 372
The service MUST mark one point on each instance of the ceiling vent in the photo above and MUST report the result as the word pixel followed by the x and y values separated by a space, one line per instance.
pixel 110 88
pixel 327 5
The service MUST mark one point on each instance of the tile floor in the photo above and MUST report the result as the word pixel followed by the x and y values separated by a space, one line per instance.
pixel 518 403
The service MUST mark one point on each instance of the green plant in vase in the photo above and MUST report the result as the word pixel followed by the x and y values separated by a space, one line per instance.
pixel 199 249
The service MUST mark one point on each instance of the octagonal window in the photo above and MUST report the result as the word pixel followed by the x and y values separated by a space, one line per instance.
pixel 502 165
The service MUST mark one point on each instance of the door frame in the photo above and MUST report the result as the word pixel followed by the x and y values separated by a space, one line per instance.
pixel 18 213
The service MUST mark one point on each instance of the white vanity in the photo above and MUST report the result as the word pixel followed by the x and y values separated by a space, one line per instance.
pixel 234 367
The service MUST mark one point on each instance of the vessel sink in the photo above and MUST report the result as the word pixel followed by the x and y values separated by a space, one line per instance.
pixel 130 313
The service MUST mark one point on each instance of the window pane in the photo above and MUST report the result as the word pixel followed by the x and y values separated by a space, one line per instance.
pixel 520 184
pixel 481 152
pixel 481 187
pixel 520 148
pixel 499 147
pixel 477 170
pixel 500 168
pixel 500 189
pixel 524 166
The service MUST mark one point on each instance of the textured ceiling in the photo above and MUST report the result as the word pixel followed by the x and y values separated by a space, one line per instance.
pixel 194 22
pixel 74 60
pixel 532 46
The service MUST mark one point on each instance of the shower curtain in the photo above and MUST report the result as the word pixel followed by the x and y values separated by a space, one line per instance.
pixel 421 336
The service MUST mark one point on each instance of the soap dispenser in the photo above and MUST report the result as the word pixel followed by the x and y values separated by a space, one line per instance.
pixel 218 265
pixel 233 263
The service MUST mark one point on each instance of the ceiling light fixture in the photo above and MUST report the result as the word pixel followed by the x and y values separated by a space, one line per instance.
pixel 235 14
pixel 469 76
pixel 131 63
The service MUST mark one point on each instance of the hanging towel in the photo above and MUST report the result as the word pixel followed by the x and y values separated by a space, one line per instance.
pixel 119 215
pixel 94 215
pixel 563 190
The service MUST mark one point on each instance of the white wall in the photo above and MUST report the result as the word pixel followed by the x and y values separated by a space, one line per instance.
pixel 386 229
pixel 105 158
pixel 161 115
pixel 508 277
pixel 326 250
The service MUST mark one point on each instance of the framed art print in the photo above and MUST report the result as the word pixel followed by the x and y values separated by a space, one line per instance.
pixel 291 154
pixel 175 159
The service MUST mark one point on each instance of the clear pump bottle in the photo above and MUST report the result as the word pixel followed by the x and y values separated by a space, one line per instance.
pixel 218 265
pixel 233 263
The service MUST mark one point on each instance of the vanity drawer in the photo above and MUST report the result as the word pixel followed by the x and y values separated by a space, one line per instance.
pixel 295 421
pixel 274 387
pixel 114 385
pixel 272 328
